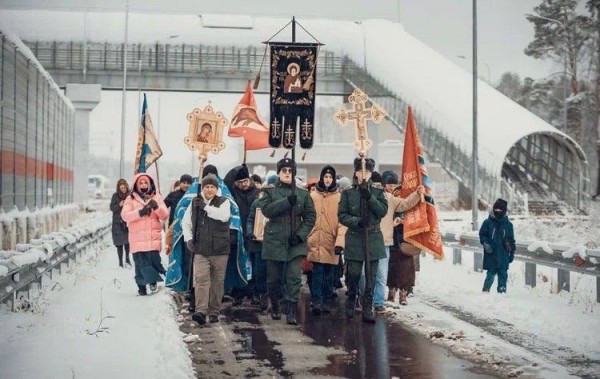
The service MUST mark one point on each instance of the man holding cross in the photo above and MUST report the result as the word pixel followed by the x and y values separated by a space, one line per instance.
pixel 362 207
pixel 358 220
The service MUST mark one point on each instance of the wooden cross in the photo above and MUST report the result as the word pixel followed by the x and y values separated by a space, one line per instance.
pixel 360 115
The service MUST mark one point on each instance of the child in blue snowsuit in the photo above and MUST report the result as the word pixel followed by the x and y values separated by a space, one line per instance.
pixel 498 240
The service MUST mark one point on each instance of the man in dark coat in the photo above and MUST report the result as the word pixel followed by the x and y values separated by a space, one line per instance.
pixel 173 198
pixel 349 214
pixel 292 216
pixel 244 193
pixel 498 239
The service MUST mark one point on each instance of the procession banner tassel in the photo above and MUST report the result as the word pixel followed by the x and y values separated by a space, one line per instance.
pixel 272 153
pixel 304 156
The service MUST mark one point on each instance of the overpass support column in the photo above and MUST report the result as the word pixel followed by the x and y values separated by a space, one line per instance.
pixel 84 97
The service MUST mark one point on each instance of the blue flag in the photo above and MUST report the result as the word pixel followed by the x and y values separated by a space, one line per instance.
pixel 148 150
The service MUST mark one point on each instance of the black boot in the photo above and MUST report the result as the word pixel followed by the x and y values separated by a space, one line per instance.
pixel 291 313
pixel 142 290
pixel 349 308
pixel 367 309
pixel 263 302
pixel 275 312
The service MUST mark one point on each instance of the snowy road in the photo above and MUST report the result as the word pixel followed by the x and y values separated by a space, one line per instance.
pixel 90 323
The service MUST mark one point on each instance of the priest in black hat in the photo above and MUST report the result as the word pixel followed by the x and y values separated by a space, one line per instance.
pixel 244 193
pixel 350 215
pixel 292 216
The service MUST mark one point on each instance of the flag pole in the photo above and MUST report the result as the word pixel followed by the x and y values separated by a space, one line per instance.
pixel 157 177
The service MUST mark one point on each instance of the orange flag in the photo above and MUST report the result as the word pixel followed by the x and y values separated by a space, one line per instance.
pixel 246 123
pixel 421 227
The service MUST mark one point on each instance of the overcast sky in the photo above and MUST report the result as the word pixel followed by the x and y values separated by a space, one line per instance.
pixel 445 25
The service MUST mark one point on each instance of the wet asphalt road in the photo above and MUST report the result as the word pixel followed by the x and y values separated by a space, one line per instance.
pixel 247 343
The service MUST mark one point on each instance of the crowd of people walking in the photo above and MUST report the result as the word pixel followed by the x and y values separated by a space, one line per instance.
pixel 333 228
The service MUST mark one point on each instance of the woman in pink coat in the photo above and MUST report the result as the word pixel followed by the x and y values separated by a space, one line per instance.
pixel 143 211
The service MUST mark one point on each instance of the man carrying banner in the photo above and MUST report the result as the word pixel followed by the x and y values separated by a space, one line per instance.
pixel 357 221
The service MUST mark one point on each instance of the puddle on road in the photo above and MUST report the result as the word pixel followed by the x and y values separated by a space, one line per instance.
pixel 254 341
pixel 381 350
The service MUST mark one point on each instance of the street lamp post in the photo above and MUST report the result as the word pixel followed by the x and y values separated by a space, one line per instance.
pixel 124 99
pixel 565 67
pixel 475 163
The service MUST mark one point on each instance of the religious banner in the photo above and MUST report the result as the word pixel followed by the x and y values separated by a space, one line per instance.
pixel 421 228
pixel 247 123
pixel 293 79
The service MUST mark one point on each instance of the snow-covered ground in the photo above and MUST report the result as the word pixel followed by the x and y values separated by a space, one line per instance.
pixel 90 323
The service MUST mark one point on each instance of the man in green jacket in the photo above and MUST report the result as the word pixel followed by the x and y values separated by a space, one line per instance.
pixel 291 215
pixel 349 214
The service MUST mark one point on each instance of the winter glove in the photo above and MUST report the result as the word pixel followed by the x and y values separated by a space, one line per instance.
pixel 365 193
pixel 145 211
pixel 363 223
pixel 152 204
pixel 292 199
pixel 295 241
pixel 487 248
pixel 339 250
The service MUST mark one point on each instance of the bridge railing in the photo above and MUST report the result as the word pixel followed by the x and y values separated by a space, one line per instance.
pixel 563 259
pixel 167 58
pixel 46 256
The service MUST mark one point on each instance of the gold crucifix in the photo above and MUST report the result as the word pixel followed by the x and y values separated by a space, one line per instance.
pixel 360 115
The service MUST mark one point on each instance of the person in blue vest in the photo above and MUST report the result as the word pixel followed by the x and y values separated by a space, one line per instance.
pixel 498 239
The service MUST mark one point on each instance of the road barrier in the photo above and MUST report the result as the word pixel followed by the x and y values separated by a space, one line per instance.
pixel 29 263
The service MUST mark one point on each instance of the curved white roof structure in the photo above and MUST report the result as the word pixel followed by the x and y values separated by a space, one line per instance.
pixel 438 89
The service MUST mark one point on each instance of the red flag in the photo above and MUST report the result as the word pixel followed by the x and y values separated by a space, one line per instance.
pixel 246 123
pixel 421 227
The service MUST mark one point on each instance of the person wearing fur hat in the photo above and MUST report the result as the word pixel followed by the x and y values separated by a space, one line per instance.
pixel 498 239
pixel 208 217
pixel 291 215
pixel 325 241
pixel 244 193
pixel 143 211
pixel 351 215
pixel 119 227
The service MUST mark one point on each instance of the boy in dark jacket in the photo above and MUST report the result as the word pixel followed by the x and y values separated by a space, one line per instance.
pixel 498 240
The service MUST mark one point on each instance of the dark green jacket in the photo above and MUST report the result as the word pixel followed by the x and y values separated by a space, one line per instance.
pixel 349 215
pixel 276 207
pixel 499 234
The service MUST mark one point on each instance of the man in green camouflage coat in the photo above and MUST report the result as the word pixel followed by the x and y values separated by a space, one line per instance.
pixel 284 247
pixel 349 214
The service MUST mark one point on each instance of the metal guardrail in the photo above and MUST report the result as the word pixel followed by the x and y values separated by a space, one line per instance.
pixel 49 253
pixel 532 258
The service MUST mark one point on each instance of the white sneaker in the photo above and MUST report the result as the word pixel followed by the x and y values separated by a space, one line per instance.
pixel 153 287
